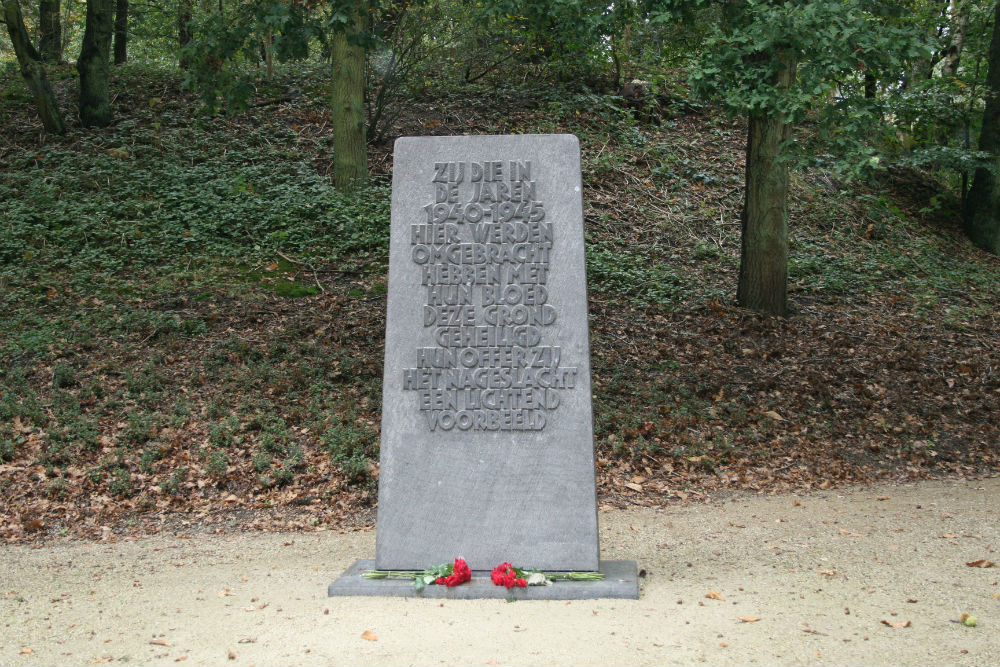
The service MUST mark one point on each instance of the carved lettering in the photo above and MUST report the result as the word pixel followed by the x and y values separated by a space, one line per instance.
pixel 484 253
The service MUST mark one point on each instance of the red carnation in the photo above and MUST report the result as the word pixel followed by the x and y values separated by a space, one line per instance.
pixel 505 574
pixel 460 574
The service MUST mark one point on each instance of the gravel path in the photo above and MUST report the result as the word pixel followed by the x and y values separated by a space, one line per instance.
pixel 821 572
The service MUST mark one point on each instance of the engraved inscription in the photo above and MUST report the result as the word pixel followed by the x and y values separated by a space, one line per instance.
pixel 483 247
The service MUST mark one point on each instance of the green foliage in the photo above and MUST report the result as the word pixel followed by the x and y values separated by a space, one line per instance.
pixel 635 274
pixel 57 488
pixel 63 375
pixel 224 43
pixel 222 204
pixel 830 46
pixel 174 484
pixel 217 463
pixel 278 455
pixel 141 427
pixel 9 445
pixel 187 206
pixel 23 404
pixel 352 448
pixel 120 481
pixel 825 40
pixel 222 434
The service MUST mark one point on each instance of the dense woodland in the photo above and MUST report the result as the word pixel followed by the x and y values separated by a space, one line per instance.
pixel 792 214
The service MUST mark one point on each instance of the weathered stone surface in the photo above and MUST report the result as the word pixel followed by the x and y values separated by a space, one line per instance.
pixel 620 581
pixel 487 446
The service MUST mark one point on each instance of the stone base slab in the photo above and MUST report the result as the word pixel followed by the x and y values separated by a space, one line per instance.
pixel 620 581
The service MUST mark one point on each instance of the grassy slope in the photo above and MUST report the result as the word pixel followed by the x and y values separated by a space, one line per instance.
pixel 192 317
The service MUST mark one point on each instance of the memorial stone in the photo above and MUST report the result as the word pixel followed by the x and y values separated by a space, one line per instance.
pixel 487 446
pixel 487 441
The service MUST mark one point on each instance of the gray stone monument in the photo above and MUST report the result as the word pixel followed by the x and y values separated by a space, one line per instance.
pixel 487 442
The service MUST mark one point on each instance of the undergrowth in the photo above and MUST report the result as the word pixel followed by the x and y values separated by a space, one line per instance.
pixel 188 309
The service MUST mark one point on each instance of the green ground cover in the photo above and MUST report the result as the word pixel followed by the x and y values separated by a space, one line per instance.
pixel 191 316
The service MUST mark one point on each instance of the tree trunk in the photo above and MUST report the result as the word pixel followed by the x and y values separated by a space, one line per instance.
pixel 959 11
pixel 121 32
pixel 185 10
pixel 50 31
pixel 31 69
pixel 871 86
pixel 982 212
pixel 763 280
pixel 268 55
pixel 95 103
pixel 350 150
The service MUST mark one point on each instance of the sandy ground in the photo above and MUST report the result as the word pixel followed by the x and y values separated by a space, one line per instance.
pixel 821 573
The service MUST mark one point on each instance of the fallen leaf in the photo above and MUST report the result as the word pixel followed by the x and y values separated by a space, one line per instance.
pixel 714 595
pixel 882 498
pixel 948 536
pixel 181 659
pixel 634 487
pixel 827 573
pixel 847 533
pixel 748 619
pixel 981 563
pixel 895 624
pixel 225 592
pixel 232 655
pixel 912 600
pixel 160 642
pixel 774 415
pixel 369 635
pixel 24 651
pixel 32 525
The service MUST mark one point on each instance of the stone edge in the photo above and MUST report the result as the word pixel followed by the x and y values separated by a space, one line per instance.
pixel 621 581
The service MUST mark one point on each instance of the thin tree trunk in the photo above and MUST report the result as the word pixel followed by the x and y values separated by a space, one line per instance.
pixel 959 11
pixel 121 32
pixel 93 64
pixel 268 55
pixel 871 86
pixel 31 69
pixel 763 279
pixel 185 11
pixel 50 31
pixel 350 150
pixel 982 213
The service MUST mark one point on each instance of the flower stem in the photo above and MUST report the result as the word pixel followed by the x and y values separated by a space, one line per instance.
pixel 575 576
pixel 391 574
